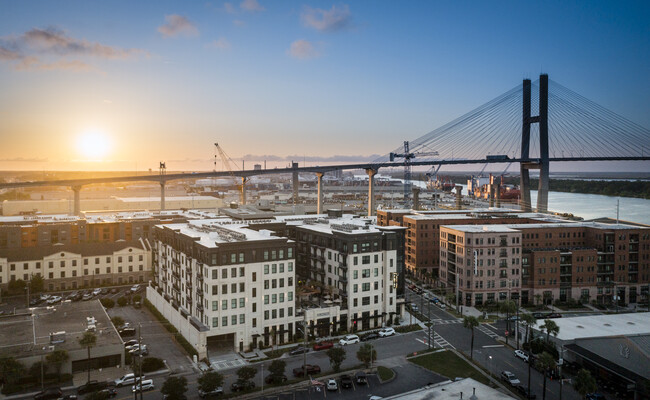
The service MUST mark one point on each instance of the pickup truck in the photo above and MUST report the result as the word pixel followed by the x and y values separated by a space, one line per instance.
pixel 311 369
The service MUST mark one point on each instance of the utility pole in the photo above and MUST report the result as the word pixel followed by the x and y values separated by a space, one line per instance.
pixel 304 333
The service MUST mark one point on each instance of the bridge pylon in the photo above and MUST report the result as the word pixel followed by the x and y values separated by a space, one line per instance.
pixel 543 163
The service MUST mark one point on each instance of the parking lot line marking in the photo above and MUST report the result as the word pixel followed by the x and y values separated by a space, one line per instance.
pixel 492 345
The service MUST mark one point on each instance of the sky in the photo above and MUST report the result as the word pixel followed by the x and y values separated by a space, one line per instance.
pixel 122 85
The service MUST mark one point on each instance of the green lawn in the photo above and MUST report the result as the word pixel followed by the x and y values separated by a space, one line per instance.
pixel 448 364
pixel 385 373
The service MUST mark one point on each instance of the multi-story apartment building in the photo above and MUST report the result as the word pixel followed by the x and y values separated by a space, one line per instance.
pixel 356 263
pixel 585 261
pixel 224 285
pixel 481 262
pixel 70 252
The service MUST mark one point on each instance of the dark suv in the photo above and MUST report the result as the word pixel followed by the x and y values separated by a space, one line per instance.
pixel 48 394
pixel 92 386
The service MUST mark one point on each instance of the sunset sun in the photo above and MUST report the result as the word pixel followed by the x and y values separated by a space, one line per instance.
pixel 93 145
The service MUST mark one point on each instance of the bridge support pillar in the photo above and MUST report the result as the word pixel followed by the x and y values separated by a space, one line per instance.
pixel 497 192
pixel 295 182
pixel 459 197
pixel 371 191
pixel 77 200
pixel 319 206
pixel 242 191
pixel 416 198
pixel 162 195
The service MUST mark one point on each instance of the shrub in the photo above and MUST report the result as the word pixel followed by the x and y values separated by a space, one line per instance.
pixel 107 303
pixel 151 364
pixel 122 301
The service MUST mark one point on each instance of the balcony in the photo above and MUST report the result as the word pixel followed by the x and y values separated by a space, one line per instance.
pixel 503 264
pixel 503 243
pixel 503 253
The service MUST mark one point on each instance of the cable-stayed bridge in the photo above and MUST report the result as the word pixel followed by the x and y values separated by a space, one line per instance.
pixel 533 124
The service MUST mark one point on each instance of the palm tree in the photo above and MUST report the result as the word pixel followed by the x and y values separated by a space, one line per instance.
pixel 585 383
pixel 551 327
pixel 545 362
pixel 529 320
pixel 507 307
pixel 470 322
pixel 88 340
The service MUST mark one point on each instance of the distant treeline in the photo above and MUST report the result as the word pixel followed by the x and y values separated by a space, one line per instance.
pixel 639 189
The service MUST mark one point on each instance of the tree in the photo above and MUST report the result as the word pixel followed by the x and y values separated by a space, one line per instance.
pixel 209 381
pixel 508 307
pixel 122 301
pixel 16 286
pixel 57 358
pixel 367 354
pixel 584 383
pixel 174 388
pixel 107 302
pixel 545 362
pixel 538 299
pixel 36 371
pixel 36 283
pixel 117 321
pixel 337 356
pixel 88 340
pixel 276 368
pixel 10 369
pixel 151 364
pixel 470 322
pixel 246 373
pixel 528 320
pixel 551 327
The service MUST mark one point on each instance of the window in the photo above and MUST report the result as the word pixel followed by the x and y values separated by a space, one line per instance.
pixel 233 288
pixel 224 321
pixel 365 260
pixel 266 284
pixel 254 276
pixel 254 307
pixel 241 257
pixel 254 292
pixel 290 266
pixel 215 322
pixel 233 258
pixel 290 311
pixel 266 314
pixel 274 298
pixel 274 283
pixel 242 302
pixel 274 314
pixel 274 268
pixel 242 318
pixel 365 273
pixel 281 297
pixel 290 296
pixel 215 306
pixel 233 303
pixel 365 287
pixel 266 268
pixel 365 301
pixel 241 287
pixel 233 320
pixel 281 267
pixel 355 288
pixel 376 272
pixel 242 272
pixel 224 304
pixel 224 273
pixel 224 289
pixel 266 299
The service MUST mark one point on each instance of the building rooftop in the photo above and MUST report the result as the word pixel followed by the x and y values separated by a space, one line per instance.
pixel 212 232
pixel 347 224
pixel 29 334
pixel 461 389
pixel 594 326
pixel 482 228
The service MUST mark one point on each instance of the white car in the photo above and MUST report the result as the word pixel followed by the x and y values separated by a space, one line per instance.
pixel 54 300
pixel 510 378
pixel 146 384
pixel 521 354
pixel 386 332
pixel 332 385
pixel 349 339
pixel 96 292
pixel 135 288
pixel 128 379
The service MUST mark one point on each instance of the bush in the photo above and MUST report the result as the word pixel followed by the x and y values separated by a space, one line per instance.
pixel 151 364
pixel 122 301
pixel 107 303
pixel 408 328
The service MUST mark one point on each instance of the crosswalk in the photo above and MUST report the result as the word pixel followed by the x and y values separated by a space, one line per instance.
pixel 227 364
pixel 438 340
pixel 483 328
pixel 446 321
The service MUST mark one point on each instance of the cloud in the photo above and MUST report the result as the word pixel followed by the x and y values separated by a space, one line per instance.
pixel 335 19
pixel 177 25
pixel 303 50
pixel 251 6
pixel 221 44
pixel 52 49
pixel 239 22
pixel 21 159
pixel 229 8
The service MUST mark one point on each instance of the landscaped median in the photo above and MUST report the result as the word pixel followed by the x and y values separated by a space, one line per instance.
pixel 450 365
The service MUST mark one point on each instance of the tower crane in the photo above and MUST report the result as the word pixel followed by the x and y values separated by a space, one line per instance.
pixel 408 156
pixel 226 160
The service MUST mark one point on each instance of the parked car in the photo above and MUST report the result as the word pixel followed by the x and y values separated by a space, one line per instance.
pixel 509 377
pixel 96 292
pixel 109 392
pixel 54 300
pixel 594 396
pixel 68 397
pixel 34 302
pixel 71 296
pixel 332 385
pixel 242 385
pixel 92 386
pixel 124 332
pixel 323 346
pixel 298 350
pixel 114 290
pixel 370 336
pixel 554 315
pixel 513 318
pixel 146 384
pixel 311 369
pixel 216 392
pixel 104 291
pixel 346 381
pixel 128 379
pixel 129 343
pixel 442 305
pixel 386 332
pixel 349 339
pixel 140 351
pixel 135 288
pixel 360 378
pixel 539 315
pixel 274 379
pixel 87 296
pixel 521 354
pixel 48 394
pixel 523 390
pixel 414 307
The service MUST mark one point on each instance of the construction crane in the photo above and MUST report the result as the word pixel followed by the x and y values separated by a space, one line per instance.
pixel 408 156
pixel 226 160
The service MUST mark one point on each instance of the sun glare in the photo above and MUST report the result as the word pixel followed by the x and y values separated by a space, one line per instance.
pixel 93 145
